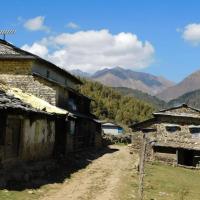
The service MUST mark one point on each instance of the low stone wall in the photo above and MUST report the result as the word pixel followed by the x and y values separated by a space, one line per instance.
pixel 166 157
pixel 114 139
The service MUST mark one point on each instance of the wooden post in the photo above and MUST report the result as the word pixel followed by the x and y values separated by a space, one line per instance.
pixel 141 167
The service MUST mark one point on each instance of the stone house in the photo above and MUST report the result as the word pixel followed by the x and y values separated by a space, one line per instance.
pixel 173 136
pixel 54 85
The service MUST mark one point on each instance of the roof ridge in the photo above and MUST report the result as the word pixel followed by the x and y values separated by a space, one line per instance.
pixel 19 50
pixel 184 105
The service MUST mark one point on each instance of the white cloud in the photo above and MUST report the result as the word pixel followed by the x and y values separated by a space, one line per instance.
pixel 93 50
pixel 72 25
pixel 36 24
pixel 191 33
pixel 37 49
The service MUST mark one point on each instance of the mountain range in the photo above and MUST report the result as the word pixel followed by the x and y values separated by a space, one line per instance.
pixel 149 87
pixel 80 73
pixel 119 77
pixel 189 84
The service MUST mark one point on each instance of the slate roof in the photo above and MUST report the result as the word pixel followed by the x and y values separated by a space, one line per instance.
pixel 188 111
pixel 169 113
pixel 180 106
pixel 9 51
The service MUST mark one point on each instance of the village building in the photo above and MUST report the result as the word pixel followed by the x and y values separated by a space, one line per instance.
pixel 26 133
pixel 52 85
pixel 173 136
pixel 112 128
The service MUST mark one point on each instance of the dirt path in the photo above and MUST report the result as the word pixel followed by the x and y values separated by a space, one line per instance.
pixel 111 176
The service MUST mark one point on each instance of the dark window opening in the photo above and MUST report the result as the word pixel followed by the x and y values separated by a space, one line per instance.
pixel 160 149
pixel 173 128
pixel 48 73
pixel 195 131
pixel 148 130
pixel 72 126
pixel 72 105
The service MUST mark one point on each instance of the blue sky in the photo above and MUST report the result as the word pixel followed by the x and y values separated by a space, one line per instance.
pixel 161 23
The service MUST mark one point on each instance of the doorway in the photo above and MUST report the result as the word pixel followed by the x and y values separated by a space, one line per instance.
pixel 185 157
pixel 12 139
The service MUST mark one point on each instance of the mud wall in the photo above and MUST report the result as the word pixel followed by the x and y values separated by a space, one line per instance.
pixel 38 139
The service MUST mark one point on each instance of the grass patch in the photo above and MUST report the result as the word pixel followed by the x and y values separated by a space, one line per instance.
pixel 171 183
pixel 18 195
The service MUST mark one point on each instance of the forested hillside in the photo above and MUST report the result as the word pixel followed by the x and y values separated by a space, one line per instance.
pixel 109 104
pixel 159 104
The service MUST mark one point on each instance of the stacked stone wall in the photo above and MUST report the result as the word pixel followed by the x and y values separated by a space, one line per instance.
pixel 32 85
pixel 15 66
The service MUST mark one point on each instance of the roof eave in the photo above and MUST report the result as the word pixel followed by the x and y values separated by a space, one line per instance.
pixel 28 55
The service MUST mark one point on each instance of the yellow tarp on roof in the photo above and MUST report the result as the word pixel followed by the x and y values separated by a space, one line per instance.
pixel 34 101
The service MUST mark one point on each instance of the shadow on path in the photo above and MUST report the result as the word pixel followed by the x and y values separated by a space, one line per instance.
pixel 54 171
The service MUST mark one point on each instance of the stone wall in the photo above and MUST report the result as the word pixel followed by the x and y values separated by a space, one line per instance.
pixel 15 66
pixel 178 139
pixel 33 85
pixel 168 142
pixel 18 73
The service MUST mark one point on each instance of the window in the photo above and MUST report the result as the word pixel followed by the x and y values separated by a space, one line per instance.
pixel 172 128
pixel 48 73
pixel 72 105
pixel 195 131
pixel 72 127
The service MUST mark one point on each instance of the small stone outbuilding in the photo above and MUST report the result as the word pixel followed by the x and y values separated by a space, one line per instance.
pixel 173 135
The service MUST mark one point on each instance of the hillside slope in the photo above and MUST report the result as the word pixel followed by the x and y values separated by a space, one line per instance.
pixel 110 105
pixel 190 98
pixel 189 84
pixel 159 104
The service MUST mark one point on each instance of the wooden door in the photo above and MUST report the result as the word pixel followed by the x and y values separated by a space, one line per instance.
pixel 12 140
